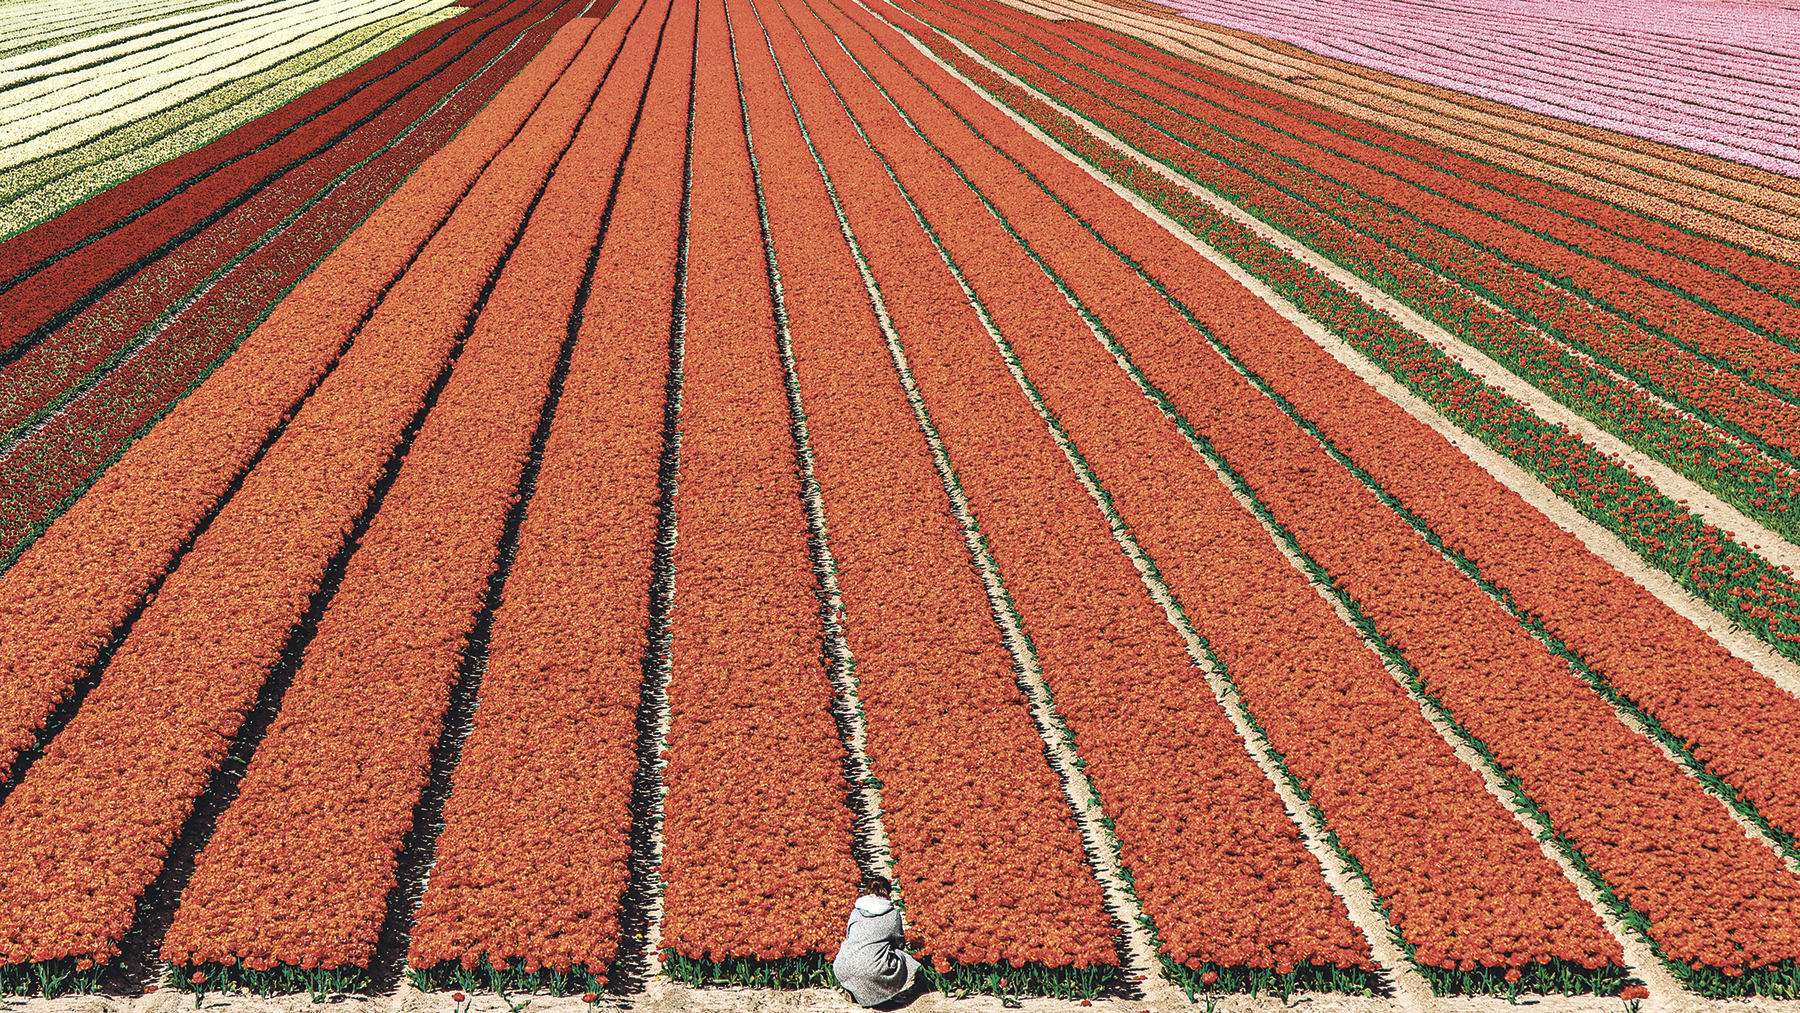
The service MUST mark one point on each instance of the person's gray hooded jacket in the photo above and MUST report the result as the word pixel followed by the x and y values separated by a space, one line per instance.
pixel 873 963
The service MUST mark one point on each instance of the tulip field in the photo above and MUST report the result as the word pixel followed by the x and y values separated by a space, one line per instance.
pixel 1216 499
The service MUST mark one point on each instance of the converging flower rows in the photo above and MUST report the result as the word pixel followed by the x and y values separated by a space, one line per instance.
pixel 508 474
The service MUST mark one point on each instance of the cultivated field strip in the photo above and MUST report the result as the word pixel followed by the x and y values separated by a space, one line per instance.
pixel 39 189
pixel 95 80
pixel 83 392
pixel 734 450
pixel 985 850
pixel 1711 358
pixel 96 49
pixel 345 763
pixel 756 797
pixel 1299 730
pixel 1279 898
pixel 64 264
pixel 69 113
pixel 110 552
pixel 532 866
pixel 1705 197
pixel 1625 75
pixel 1727 575
pixel 1773 267
pixel 315 488
pixel 1191 389
pixel 41 23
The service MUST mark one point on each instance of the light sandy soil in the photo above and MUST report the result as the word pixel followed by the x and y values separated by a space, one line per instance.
pixel 666 997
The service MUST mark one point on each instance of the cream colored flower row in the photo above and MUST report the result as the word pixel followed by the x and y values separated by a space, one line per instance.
pixel 38 24
pixel 58 130
pixel 63 87
pixel 41 189
pixel 76 71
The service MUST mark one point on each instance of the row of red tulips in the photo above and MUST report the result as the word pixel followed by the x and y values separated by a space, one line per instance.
pixel 1709 940
pixel 1215 556
pixel 1712 703
pixel 533 864
pixel 986 853
pixel 115 787
pixel 62 264
pixel 1659 289
pixel 756 830
pixel 299 869
pixel 1170 768
pixel 1716 271
pixel 1494 243
pixel 1725 574
pixel 61 603
pixel 71 425
pixel 1661 845
pixel 1366 238
pixel 1582 602
pixel 101 329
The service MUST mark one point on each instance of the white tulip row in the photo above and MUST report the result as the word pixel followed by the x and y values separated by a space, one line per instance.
pixel 72 80
pixel 41 189
pixel 139 32
pixel 35 24
pixel 43 133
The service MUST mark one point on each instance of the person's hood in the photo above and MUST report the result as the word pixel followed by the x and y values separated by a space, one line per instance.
pixel 871 905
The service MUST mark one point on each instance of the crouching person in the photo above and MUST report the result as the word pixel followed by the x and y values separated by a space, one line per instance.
pixel 873 963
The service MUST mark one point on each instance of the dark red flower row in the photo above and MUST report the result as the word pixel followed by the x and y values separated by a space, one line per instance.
pixel 119 316
pixel 59 264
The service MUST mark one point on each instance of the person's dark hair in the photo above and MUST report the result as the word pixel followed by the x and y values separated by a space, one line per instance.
pixel 877 885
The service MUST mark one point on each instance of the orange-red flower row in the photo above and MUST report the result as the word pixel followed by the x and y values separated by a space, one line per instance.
pixel 756 830
pixel 1301 161
pixel 146 286
pixel 1714 935
pixel 298 871
pixel 87 829
pixel 533 864
pixel 986 853
pixel 1388 798
pixel 1196 818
